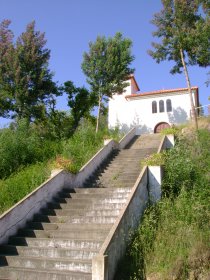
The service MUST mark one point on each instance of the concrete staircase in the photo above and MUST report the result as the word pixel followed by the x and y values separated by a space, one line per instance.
pixel 61 240
pixel 124 166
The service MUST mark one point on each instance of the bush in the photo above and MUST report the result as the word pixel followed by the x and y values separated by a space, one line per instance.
pixel 171 130
pixel 82 145
pixel 21 145
pixel 154 159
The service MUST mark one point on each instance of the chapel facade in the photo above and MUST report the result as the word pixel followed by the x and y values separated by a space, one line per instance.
pixel 151 111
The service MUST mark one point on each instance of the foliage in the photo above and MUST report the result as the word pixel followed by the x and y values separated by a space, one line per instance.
pixel 172 241
pixel 21 145
pixel 25 81
pixel 107 66
pixel 80 101
pixel 181 26
pixel 14 188
pixel 190 159
pixel 82 145
pixel 175 130
pixel 64 163
pixel 154 159
pixel 183 34
pixel 57 125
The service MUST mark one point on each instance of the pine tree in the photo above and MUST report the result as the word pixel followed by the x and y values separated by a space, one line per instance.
pixel 26 84
pixel 6 61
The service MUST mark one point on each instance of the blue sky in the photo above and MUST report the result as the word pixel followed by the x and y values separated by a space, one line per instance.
pixel 70 25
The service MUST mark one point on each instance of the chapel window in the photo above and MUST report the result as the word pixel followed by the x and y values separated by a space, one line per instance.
pixel 161 106
pixel 154 107
pixel 168 105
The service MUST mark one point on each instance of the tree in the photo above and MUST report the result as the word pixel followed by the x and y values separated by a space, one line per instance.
pixel 79 100
pixel 26 84
pixel 184 34
pixel 107 67
pixel 6 60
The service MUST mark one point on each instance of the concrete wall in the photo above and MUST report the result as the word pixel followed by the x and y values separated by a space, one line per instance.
pixel 127 138
pixel 155 176
pixel 168 142
pixel 17 216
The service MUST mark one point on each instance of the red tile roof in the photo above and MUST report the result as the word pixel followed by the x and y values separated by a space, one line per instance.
pixel 159 92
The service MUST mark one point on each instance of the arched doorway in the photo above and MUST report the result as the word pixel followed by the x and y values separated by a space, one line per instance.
pixel 161 126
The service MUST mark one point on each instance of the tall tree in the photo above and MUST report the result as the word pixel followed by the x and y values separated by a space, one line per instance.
pixel 26 84
pixel 107 66
pixel 80 102
pixel 183 31
pixel 6 61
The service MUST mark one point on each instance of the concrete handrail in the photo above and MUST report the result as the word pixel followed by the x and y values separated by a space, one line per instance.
pixel 127 138
pixel 17 216
pixel 94 163
pixel 167 142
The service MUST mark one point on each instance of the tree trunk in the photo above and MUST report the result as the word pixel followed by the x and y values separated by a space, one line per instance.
pixel 194 117
pixel 99 109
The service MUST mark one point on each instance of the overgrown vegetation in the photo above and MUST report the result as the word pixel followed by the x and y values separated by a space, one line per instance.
pixel 21 145
pixel 172 241
pixel 154 159
pixel 19 184
pixel 26 156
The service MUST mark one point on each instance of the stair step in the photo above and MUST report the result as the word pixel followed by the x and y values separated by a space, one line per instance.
pixel 56 264
pixel 48 252
pixel 67 219
pixel 96 206
pixel 79 212
pixel 99 190
pixel 111 185
pixel 56 242
pixel 14 273
pixel 66 226
pixel 93 196
pixel 99 234
pixel 116 179
pixel 90 200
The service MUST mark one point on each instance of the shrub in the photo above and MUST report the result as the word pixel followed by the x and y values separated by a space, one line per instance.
pixel 171 130
pixel 82 145
pixel 21 145
pixel 154 159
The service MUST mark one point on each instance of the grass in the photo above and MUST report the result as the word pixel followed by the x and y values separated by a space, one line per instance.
pixel 19 184
pixel 173 240
pixel 26 159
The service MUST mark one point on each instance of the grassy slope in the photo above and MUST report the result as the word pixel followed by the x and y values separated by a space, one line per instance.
pixel 173 239
pixel 27 160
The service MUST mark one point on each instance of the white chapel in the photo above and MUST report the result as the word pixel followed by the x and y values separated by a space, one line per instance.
pixel 150 111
